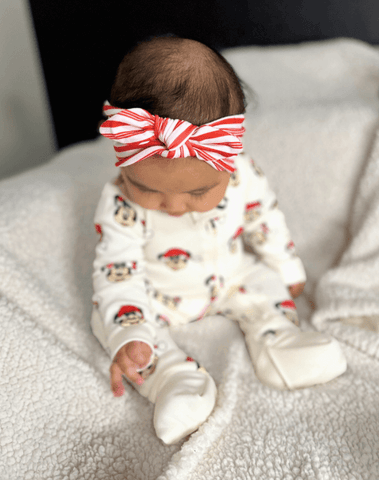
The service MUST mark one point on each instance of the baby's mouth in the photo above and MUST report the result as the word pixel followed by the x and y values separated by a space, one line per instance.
pixel 175 214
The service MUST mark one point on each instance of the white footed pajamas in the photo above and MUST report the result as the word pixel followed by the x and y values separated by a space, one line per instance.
pixel 153 270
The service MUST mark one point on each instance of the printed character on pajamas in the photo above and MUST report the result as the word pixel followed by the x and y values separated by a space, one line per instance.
pixel 166 300
pixel 118 272
pixel 258 237
pixel 175 258
pixel 162 320
pixel 234 179
pixel 234 240
pixel 252 211
pixel 288 308
pixel 215 284
pixel 129 315
pixel 170 302
pixel 124 213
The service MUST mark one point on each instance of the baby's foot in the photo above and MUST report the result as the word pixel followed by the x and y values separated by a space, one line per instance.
pixel 290 359
pixel 183 404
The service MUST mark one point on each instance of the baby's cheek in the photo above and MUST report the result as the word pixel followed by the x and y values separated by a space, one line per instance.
pixel 211 201
pixel 146 200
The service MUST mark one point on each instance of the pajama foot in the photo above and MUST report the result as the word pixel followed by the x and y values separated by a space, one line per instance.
pixel 184 402
pixel 291 359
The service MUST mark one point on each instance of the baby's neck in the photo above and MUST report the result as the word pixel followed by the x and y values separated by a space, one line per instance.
pixel 120 184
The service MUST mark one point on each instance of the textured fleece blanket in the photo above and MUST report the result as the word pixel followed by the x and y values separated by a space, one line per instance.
pixel 348 294
pixel 312 129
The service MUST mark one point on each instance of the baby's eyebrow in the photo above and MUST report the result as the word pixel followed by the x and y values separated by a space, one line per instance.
pixel 139 185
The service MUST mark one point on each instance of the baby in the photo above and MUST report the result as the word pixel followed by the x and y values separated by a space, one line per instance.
pixel 174 232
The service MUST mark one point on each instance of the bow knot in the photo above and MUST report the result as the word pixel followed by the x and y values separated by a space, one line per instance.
pixel 173 134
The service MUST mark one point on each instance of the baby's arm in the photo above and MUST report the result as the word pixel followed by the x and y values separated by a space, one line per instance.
pixel 266 231
pixel 124 327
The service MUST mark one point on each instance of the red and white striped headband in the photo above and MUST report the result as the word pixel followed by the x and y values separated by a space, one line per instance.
pixel 137 135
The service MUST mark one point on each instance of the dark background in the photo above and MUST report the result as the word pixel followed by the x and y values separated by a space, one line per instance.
pixel 81 42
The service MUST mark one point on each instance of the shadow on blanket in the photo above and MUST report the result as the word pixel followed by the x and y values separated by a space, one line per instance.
pixel 313 133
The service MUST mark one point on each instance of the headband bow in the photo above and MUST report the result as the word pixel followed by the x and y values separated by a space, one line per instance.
pixel 137 134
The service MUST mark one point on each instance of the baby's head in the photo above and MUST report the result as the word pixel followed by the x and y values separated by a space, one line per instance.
pixel 181 79
pixel 178 78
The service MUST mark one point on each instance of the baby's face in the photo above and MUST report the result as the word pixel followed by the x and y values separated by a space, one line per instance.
pixel 174 186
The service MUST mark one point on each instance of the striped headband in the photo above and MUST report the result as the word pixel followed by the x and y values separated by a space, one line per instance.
pixel 137 135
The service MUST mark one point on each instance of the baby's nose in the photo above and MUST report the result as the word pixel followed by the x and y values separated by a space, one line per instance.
pixel 173 204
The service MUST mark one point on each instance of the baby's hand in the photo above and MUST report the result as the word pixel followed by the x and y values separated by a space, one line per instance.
pixel 130 358
pixel 296 290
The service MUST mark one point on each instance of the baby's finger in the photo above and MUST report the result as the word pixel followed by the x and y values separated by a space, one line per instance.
pixel 129 369
pixel 133 375
pixel 116 380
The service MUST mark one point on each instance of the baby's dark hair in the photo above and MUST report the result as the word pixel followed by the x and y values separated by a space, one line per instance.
pixel 178 78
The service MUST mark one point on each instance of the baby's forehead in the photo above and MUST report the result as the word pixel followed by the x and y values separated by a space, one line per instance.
pixel 167 166
pixel 165 174
pixel 171 166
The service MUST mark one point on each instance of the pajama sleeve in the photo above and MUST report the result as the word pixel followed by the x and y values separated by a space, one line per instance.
pixel 120 296
pixel 265 229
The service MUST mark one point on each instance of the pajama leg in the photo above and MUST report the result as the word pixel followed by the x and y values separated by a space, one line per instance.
pixel 184 394
pixel 283 356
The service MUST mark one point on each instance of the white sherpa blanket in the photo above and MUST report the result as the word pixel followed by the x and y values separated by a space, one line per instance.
pixel 349 293
pixel 313 132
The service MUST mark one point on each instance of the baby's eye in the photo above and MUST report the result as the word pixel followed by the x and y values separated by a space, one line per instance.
pixel 145 190
pixel 198 194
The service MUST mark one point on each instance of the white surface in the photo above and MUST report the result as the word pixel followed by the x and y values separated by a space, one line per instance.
pixel 312 135
pixel 26 133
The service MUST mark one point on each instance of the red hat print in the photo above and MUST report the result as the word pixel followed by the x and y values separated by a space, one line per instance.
pixel 238 233
pixel 251 206
pixel 129 315
pixel 288 304
pixel 128 309
pixel 176 252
